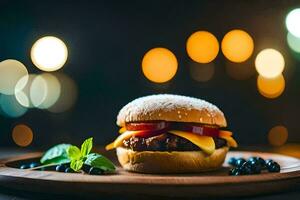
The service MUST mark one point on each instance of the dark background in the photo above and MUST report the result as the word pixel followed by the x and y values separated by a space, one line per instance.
pixel 106 42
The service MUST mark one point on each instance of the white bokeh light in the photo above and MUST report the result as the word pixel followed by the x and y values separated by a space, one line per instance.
pixel 292 22
pixel 269 63
pixel 49 53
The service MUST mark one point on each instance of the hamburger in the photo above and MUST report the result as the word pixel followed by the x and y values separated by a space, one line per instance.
pixel 171 134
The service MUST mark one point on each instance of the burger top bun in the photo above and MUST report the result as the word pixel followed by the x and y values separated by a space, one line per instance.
pixel 170 107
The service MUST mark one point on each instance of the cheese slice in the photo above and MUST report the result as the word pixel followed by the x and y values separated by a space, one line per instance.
pixel 230 141
pixel 122 130
pixel 110 146
pixel 205 143
pixel 225 133
pixel 118 142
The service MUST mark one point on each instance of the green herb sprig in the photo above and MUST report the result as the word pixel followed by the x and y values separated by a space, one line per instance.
pixel 67 153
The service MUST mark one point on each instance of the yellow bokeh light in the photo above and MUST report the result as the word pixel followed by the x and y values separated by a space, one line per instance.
pixel 202 47
pixel 202 72
pixel 271 88
pixel 22 135
pixel 49 53
pixel 159 65
pixel 269 63
pixel 278 135
pixel 237 46
pixel 10 73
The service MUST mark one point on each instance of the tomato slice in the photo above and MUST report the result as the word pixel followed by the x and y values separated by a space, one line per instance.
pixel 147 126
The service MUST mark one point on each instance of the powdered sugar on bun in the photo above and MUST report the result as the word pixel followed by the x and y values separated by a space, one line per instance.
pixel 171 107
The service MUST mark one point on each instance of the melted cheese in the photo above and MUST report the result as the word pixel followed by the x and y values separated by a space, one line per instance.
pixel 230 141
pixel 118 142
pixel 225 133
pixel 205 143
pixel 122 130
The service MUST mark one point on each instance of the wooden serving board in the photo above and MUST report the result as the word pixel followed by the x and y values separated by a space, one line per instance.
pixel 210 184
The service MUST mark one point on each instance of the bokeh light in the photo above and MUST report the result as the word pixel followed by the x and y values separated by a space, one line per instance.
pixel 293 42
pixel 53 89
pixel 292 22
pixel 49 53
pixel 22 135
pixel 10 107
pixel 68 94
pixel 237 46
pixel 22 92
pixel 159 65
pixel 38 91
pixel 202 72
pixel 240 71
pixel 278 135
pixel 269 63
pixel 271 87
pixel 202 47
pixel 10 72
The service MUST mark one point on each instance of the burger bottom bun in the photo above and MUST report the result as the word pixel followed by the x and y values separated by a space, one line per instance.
pixel 163 162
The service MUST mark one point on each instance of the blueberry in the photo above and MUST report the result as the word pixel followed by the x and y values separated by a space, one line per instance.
pixel 95 171
pixel 233 171
pixel 273 167
pixel 238 173
pixel 86 168
pixel 69 170
pixel 269 161
pixel 246 168
pixel 34 164
pixel 255 166
pixel 232 161
pixel 253 160
pixel 24 166
pixel 261 161
pixel 60 168
pixel 239 162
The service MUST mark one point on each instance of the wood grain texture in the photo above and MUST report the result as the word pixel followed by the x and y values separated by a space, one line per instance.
pixel 209 184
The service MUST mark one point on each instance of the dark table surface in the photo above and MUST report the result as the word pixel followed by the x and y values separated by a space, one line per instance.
pixel 5 194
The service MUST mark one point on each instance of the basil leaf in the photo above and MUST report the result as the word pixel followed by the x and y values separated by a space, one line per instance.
pixel 56 154
pixel 73 153
pixel 86 146
pixel 99 161
pixel 76 165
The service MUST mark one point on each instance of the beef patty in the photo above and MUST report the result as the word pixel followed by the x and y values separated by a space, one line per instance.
pixel 166 142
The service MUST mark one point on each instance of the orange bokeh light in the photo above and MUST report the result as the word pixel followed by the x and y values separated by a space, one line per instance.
pixel 271 88
pixel 22 135
pixel 278 135
pixel 202 47
pixel 237 46
pixel 159 65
